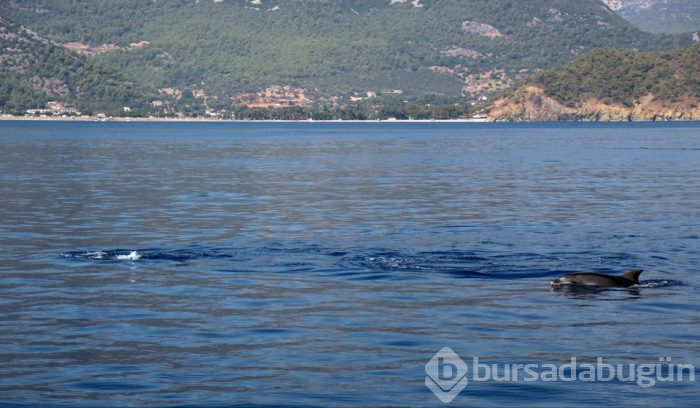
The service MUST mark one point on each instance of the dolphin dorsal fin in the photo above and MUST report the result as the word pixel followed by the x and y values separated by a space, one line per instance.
pixel 633 275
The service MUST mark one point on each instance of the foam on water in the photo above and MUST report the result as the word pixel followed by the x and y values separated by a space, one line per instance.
pixel 132 256
pixel 96 254
pixel 108 255
pixel 660 283
pixel 152 254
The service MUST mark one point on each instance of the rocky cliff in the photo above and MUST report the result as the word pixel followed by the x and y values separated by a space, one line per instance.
pixel 531 104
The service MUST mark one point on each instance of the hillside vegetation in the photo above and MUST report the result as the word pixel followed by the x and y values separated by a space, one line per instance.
pixel 445 48
pixel 34 70
pixel 611 84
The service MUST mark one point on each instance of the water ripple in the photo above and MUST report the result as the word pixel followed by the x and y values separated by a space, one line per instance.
pixel 325 264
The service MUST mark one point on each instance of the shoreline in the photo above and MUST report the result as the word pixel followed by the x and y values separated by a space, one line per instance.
pixel 12 118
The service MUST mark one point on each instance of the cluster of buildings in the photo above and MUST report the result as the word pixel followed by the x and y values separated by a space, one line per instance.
pixel 273 97
pixel 54 109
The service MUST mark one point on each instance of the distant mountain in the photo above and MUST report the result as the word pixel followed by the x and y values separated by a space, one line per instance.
pixel 330 52
pixel 659 16
pixel 611 84
pixel 35 70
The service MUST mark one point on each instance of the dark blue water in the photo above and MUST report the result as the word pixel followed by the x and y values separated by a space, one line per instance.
pixel 325 264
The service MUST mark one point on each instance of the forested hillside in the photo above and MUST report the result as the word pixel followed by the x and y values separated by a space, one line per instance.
pixel 34 70
pixel 611 84
pixel 625 76
pixel 445 49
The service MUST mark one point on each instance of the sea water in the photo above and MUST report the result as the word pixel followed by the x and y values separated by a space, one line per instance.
pixel 325 264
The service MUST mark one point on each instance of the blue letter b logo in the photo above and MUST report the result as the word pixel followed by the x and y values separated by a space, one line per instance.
pixel 442 366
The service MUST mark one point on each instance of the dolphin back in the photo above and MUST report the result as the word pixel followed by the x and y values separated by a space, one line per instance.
pixel 599 279
pixel 633 275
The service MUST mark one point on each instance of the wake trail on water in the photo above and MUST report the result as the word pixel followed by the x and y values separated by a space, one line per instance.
pixel 660 283
pixel 376 264
pixel 144 255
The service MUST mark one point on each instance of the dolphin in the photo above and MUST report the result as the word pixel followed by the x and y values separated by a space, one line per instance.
pixel 600 280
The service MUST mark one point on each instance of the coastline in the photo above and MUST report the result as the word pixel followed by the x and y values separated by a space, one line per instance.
pixel 12 118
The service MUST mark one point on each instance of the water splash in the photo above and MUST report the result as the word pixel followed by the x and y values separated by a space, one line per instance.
pixel 179 255
pixel 132 256
pixel 660 283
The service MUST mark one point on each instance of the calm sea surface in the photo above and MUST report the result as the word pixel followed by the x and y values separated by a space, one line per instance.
pixel 325 264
